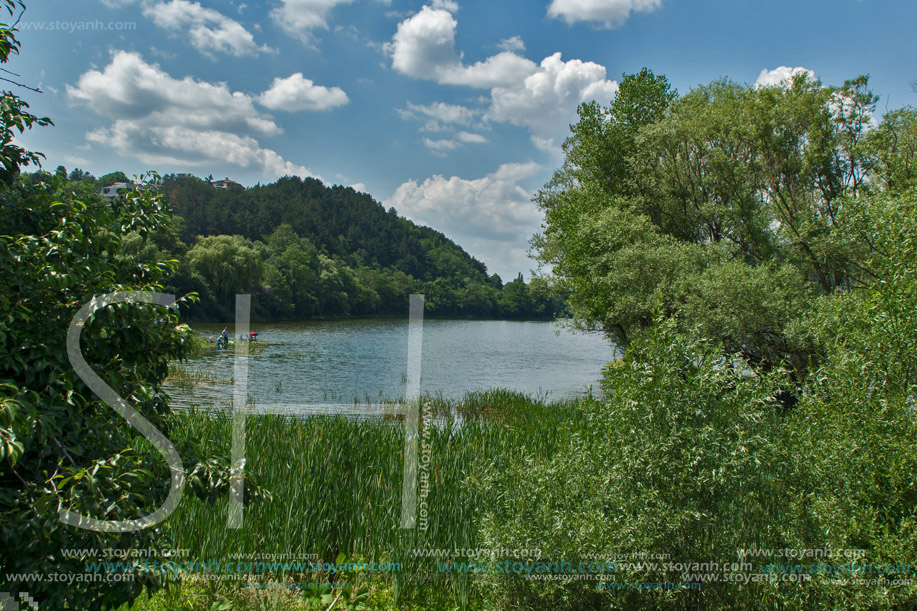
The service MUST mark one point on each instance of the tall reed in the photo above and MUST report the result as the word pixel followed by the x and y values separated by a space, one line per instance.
pixel 336 483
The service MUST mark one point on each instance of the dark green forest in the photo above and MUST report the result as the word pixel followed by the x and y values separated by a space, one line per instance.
pixel 305 250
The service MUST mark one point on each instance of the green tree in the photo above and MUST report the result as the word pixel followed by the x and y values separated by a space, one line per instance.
pixel 78 175
pixel 516 299
pixel 682 460
pixel 229 264
pixel 697 208
pixel 892 149
pixel 855 431
pixel 111 178
pixel 60 446
pixel 14 117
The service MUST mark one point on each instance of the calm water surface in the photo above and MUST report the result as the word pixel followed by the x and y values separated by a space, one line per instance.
pixel 324 365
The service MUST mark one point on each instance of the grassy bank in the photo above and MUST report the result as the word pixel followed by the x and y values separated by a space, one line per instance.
pixel 333 495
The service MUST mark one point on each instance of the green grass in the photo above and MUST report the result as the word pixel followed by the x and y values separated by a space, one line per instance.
pixel 335 492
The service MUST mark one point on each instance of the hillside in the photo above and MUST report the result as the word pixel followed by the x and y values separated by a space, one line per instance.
pixel 306 250
pixel 338 220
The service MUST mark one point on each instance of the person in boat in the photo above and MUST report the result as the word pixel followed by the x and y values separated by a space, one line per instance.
pixel 225 336
pixel 252 336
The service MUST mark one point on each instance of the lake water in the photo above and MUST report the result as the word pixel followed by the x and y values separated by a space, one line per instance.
pixel 328 366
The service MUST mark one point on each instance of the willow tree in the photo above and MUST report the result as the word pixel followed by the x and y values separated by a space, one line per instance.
pixel 717 209
pixel 229 264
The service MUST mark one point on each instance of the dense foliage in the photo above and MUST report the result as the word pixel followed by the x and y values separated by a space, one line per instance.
pixel 305 250
pixel 743 230
pixel 61 447
pixel 722 209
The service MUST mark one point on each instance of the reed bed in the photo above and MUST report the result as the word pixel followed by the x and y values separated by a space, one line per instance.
pixel 184 377
pixel 335 485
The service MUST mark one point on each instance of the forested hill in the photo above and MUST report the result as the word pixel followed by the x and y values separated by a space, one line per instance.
pixel 306 250
pixel 337 220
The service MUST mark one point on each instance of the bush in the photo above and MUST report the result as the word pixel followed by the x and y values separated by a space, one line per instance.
pixel 855 432
pixel 61 447
pixel 683 459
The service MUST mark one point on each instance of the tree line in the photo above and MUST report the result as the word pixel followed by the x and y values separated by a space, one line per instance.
pixel 306 250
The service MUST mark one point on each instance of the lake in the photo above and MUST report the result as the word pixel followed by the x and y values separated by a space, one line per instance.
pixel 328 366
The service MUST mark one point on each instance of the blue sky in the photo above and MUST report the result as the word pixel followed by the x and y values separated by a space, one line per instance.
pixel 451 111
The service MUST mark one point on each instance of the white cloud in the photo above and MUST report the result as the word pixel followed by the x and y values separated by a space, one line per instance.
pixel 450 144
pixel 545 102
pixel 296 93
pixel 493 217
pixel 500 69
pixel 608 13
pixel 542 98
pixel 184 146
pixel 780 76
pixel 76 160
pixel 207 30
pixel 424 43
pixel 160 119
pixel 439 115
pixel 494 206
pixel 438 146
pixel 299 17
pixel 469 138
pixel 424 47
pixel 131 88
pixel 512 44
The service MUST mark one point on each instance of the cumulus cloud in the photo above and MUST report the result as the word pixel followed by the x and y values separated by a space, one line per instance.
pixel 296 93
pixel 442 117
pixel 492 216
pixel 608 13
pixel 160 119
pixel 500 69
pixel 780 76
pixel 131 88
pixel 494 206
pixel 207 30
pixel 299 17
pixel 545 102
pixel 184 146
pixel 541 97
pixel 424 44
pixel 424 47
